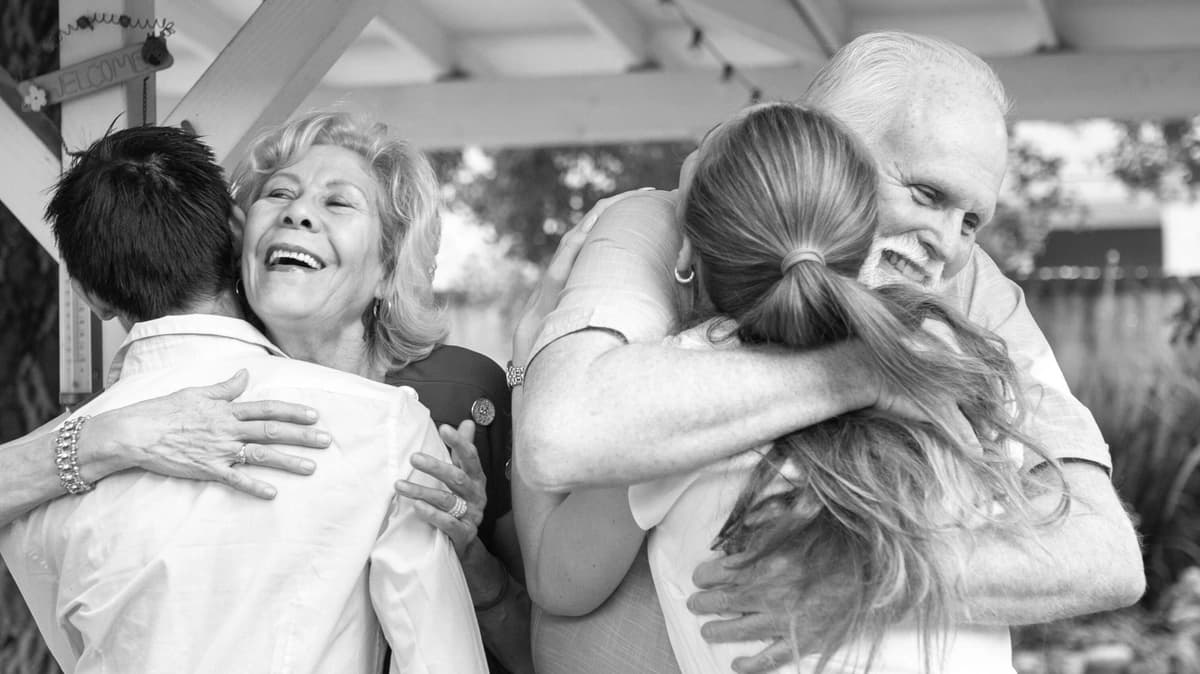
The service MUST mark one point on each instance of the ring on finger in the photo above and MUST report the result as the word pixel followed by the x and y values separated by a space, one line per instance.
pixel 459 508
pixel 240 457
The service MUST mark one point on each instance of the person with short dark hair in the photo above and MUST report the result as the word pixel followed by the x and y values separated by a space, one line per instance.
pixel 141 572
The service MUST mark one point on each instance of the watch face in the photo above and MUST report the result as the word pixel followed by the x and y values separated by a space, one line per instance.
pixel 483 411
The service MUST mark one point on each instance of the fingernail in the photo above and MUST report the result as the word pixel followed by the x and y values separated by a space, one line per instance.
pixel 307 465
pixel 310 414
pixel 270 492
pixel 324 437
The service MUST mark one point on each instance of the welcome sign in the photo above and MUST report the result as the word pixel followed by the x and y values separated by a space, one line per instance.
pixel 94 74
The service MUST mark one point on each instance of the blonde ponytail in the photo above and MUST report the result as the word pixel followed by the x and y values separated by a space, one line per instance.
pixel 878 502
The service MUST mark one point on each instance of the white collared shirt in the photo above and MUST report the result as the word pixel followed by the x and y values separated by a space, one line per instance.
pixel 153 574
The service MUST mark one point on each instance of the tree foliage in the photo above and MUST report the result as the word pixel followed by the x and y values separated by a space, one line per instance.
pixel 534 194
pixel 1161 157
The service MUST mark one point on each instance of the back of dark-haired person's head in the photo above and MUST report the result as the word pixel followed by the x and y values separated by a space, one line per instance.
pixel 142 222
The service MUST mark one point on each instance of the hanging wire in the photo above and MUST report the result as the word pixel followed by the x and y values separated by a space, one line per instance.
pixel 153 26
pixel 699 40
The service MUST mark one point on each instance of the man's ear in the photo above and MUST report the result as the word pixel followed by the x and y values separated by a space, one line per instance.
pixel 102 309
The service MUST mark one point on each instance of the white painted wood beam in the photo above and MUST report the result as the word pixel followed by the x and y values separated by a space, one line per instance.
pixel 828 21
pixel 29 170
pixel 272 63
pixel 680 104
pixel 615 22
pixel 86 346
pixel 1149 24
pixel 408 22
pixel 772 22
pixel 1044 23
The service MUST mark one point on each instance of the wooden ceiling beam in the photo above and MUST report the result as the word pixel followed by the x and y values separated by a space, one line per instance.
pixel 620 27
pixel 274 61
pixel 408 22
pixel 663 105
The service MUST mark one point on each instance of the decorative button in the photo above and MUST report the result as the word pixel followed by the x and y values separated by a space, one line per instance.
pixel 483 411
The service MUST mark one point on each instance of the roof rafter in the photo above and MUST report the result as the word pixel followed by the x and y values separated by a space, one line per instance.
pixel 268 68
pixel 678 104
pixel 771 22
pixel 408 22
pixel 827 20
pixel 621 27
pixel 1044 22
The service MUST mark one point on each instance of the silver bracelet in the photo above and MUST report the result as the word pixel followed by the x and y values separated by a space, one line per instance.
pixel 66 456
pixel 514 375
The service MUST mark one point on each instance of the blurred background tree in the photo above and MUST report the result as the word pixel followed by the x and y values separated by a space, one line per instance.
pixel 1161 157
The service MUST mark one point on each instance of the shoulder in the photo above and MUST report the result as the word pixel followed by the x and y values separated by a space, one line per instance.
pixel 452 366
pixel 451 379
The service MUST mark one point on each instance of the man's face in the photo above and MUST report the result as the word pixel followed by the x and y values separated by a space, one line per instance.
pixel 940 166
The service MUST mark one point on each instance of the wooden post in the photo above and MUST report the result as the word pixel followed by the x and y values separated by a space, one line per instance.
pixel 85 345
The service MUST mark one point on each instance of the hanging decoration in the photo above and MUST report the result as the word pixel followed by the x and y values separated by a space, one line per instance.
pixel 699 40
pixel 105 70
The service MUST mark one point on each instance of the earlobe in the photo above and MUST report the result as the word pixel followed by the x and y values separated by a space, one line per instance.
pixel 684 261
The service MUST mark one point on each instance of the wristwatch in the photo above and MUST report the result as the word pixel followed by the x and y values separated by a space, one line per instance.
pixel 514 375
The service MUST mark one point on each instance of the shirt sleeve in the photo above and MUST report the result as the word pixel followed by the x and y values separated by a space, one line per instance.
pixel 416 583
pixel 623 280
pixel 1054 417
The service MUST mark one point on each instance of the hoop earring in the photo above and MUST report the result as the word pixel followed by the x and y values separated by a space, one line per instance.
pixel 684 280
pixel 387 307
pixel 238 289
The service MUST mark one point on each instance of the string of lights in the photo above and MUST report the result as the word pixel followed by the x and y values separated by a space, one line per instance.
pixel 154 26
pixel 699 40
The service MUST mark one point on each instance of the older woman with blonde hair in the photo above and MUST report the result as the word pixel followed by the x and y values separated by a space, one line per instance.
pixel 338 242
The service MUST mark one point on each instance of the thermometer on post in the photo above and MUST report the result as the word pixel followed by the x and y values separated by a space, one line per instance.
pixel 79 345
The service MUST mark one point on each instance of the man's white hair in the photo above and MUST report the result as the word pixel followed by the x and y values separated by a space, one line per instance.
pixel 874 74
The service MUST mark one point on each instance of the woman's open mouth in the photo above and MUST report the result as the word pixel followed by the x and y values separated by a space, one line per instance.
pixel 292 258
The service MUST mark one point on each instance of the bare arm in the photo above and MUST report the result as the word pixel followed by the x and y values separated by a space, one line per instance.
pixel 601 412
pixel 1011 581
pixel 577 547
pixel 194 433
pixel 606 403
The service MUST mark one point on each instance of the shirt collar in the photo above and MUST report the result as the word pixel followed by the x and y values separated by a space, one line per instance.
pixel 163 342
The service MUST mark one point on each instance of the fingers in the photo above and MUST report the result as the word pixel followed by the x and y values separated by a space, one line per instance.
pixel 751 627
pixel 461 442
pixel 769 659
pixel 282 433
pixel 274 410
pixel 717 571
pixel 461 533
pixel 271 457
pixel 438 498
pixel 238 480
pixel 709 602
pixel 226 390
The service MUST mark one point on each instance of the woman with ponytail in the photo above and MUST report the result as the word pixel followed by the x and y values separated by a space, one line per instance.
pixel 780 214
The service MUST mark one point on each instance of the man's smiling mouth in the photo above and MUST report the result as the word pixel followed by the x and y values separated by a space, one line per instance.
pixel 906 267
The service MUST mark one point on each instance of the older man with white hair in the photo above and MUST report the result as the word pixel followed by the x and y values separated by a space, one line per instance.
pixel 605 403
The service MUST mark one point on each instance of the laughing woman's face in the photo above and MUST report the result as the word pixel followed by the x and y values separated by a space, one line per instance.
pixel 310 253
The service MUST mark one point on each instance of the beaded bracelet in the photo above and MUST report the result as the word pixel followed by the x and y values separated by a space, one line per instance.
pixel 66 456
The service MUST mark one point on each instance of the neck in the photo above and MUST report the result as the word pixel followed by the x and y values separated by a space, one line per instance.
pixel 343 350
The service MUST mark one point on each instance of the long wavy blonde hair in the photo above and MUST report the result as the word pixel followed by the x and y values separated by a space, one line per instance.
pixel 881 502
